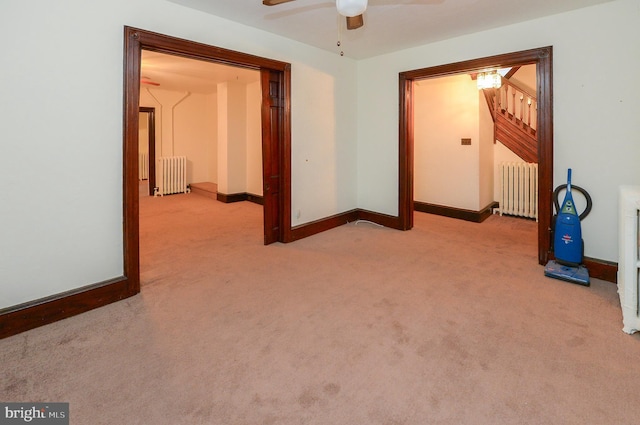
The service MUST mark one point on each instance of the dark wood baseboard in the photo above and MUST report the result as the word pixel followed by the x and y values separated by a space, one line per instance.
pixel 318 226
pixel 381 219
pixel 255 199
pixel 239 197
pixel 44 311
pixel 601 269
pixel 308 229
pixel 195 188
pixel 228 198
pixel 462 214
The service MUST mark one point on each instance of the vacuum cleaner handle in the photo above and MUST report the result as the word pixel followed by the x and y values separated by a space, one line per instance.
pixel 586 195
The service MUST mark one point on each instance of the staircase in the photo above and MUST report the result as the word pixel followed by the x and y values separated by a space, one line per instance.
pixel 514 112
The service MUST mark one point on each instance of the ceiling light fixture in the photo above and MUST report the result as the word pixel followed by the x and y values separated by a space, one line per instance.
pixel 351 8
pixel 489 80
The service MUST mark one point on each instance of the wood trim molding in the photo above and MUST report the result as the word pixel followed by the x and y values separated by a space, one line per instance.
pixel 459 213
pixel 602 269
pixel 318 226
pixel 405 157
pixel 24 317
pixel 229 198
pixel 308 229
pixel 152 146
pixel 130 204
pixel 255 199
pixel 382 219
pixel 239 197
pixel 544 132
pixel 543 58
pixel 286 233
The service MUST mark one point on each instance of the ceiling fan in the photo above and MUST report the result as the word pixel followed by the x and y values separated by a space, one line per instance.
pixel 351 9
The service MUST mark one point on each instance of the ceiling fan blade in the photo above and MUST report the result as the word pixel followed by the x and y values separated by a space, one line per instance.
pixel 274 2
pixel 355 22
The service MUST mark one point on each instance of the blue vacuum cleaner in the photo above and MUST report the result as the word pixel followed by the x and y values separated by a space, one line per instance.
pixel 568 246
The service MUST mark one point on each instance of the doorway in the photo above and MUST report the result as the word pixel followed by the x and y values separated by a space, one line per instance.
pixel 542 58
pixel 209 119
pixel 276 135
pixel 147 148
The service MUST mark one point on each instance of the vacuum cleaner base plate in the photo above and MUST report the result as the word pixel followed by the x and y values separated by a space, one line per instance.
pixel 579 275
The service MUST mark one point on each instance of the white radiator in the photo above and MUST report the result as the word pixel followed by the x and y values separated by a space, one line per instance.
pixel 629 257
pixel 172 175
pixel 143 166
pixel 519 189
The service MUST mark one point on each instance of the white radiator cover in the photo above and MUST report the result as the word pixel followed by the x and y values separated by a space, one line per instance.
pixel 172 175
pixel 629 257
pixel 143 166
pixel 519 189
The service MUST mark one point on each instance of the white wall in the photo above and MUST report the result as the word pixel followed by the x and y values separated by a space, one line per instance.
pixel 486 148
pixel 596 125
pixel 183 128
pixel 239 138
pixel 323 175
pixel 187 125
pixel 232 138
pixel 344 125
pixel 525 77
pixel 61 212
pixel 446 172
pixel 254 139
pixel 211 128
pixel 192 138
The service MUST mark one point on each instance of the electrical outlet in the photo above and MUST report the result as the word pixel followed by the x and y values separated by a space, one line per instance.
pixel 465 142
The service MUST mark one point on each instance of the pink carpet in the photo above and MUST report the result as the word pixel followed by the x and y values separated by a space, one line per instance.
pixel 449 323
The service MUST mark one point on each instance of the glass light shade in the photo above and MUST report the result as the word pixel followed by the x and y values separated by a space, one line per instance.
pixel 489 80
pixel 351 8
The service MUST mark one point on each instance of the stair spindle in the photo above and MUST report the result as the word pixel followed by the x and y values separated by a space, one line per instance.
pixel 513 105
pixel 521 109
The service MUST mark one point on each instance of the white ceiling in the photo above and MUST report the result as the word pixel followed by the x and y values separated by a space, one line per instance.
pixel 390 25
pixel 182 74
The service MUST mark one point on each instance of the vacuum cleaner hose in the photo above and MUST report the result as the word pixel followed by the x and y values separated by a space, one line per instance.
pixel 586 195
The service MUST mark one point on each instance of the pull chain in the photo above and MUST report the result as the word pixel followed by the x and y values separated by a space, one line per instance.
pixel 340 24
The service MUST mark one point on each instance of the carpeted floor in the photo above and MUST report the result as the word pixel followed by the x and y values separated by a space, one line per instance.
pixel 449 323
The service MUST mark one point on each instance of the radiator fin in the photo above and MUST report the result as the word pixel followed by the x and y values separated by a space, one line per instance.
pixel 172 175
pixel 519 189
pixel 143 166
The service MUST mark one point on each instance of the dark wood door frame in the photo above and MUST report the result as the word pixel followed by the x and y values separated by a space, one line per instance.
pixel 272 106
pixel 60 306
pixel 152 146
pixel 135 40
pixel 542 58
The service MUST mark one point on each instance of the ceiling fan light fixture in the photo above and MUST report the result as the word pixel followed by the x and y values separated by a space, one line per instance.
pixel 351 8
